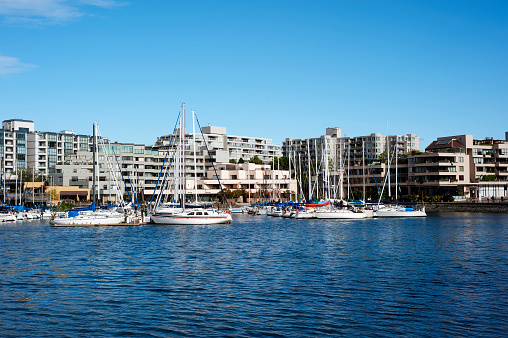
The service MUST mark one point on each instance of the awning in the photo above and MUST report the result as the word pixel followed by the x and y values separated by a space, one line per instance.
pixel 73 193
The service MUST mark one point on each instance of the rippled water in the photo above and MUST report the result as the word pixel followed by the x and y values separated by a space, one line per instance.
pixel 445 275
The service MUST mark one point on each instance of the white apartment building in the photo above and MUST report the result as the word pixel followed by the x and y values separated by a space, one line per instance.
pixel 21 147
pixel 130 168
pixel 258 180
pixel 46 149
pixel 215 146
pixel 13 144
pixel 313 149
pixel 374 145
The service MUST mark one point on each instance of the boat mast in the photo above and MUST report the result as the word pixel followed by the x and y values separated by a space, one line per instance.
pixel 195 161
pixel 94 162
pixel 308 165
pixel 388 159
pixel 316 183
pixel 363 168
pixel 278 178
pixel 396 174
pixel 184 169
pixel 176 179
pixel 327 188
pixel 341 173
pixel 348 152
pixel 290 191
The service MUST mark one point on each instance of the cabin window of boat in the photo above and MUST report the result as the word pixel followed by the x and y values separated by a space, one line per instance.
pixel 191 213
pixel 205 213
pixel 199 213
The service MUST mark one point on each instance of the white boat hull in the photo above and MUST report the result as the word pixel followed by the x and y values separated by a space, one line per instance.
pixel 304 215
pixel 183 219
pixel 87 220
pixel 395 213
pixel 339 214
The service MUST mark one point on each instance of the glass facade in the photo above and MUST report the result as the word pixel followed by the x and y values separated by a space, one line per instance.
pixel 127 149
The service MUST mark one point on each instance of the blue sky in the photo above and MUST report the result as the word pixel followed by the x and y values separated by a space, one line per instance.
pixel 272 69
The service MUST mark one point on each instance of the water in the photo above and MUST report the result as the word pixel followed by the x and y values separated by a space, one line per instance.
pixel 444 275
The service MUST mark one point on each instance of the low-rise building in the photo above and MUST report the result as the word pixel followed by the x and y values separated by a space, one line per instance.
pixel 461 166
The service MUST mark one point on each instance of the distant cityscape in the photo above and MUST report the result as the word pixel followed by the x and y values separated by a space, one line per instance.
pixel 326 166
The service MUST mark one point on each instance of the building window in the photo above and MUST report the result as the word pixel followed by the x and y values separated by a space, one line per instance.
pixel 461 159
pixel 461 177
pixel 461 168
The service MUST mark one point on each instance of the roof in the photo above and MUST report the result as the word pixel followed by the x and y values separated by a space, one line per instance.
pixel 18 120
pixel 73 193
pixel 444 144
pixel 34 184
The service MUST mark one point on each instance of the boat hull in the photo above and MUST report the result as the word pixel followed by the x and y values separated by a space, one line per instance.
pixel 77 221
pixel 339 215
pixel 191 220
pixel 392 213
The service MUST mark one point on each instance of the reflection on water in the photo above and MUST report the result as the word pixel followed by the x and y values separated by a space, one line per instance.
pixel 443 275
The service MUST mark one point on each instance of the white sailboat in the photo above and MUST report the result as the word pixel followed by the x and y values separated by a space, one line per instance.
pixel 397 210
pixel 88 217
pixel 339 214
pixel 183 216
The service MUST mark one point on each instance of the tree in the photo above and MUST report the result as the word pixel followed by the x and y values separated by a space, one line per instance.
pixel 27 176
pixel 256 160
pixel 232 161
pixel 281 163
pixel 240 161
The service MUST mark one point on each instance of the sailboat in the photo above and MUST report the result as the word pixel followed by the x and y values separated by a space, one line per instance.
pixel 183 216
pixel 345 211
pixel 89 216
pixel 397 210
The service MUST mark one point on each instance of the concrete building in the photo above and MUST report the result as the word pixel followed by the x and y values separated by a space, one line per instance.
pixel 214 144
pixel 21 147
pixel 129 167
pixel 313 147
pixel 13 144
pixel 46 149
pixel 461 166
pixel 134 167
pixel 374 144
pixel 256 180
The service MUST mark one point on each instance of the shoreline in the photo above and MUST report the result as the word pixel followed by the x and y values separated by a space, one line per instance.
pixel 496 207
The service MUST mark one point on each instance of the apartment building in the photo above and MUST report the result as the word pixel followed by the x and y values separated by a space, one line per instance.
pixel 134 167
pixel 461 166
pixel 123 168
pixel 354 148
pixel 216 144
pixel 258 181
pixel 13 144
pixel 318 148
pixel 375 145
pixel 21 147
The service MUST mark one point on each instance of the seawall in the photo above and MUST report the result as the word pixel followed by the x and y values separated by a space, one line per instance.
pixel 501 207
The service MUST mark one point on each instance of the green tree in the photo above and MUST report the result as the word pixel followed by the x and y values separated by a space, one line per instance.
pixel 27 175
pixel 256 160
pixel 281 163
pixel 241 160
